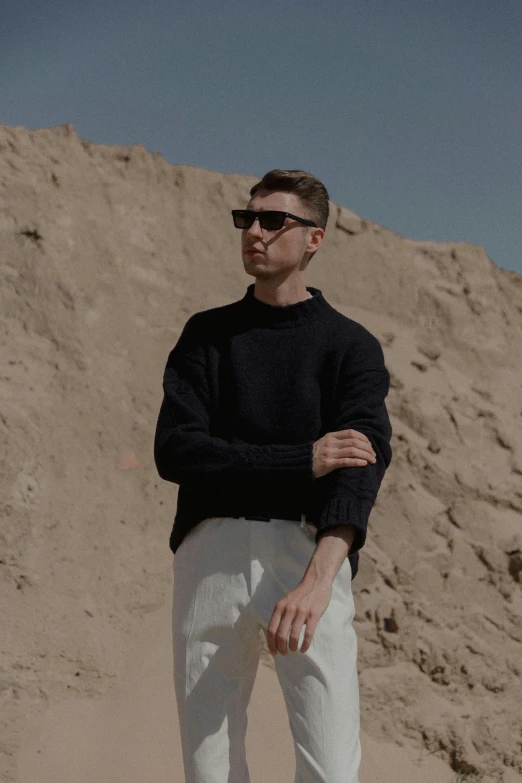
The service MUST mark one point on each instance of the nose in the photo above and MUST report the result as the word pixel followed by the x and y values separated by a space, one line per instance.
pixel 255 229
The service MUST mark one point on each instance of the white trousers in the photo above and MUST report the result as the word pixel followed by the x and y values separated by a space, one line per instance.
pixel 228 576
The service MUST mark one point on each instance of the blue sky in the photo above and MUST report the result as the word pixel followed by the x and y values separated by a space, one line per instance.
pixel 409 112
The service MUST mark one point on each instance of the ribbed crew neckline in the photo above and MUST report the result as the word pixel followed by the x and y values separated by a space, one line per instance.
pixel 264 314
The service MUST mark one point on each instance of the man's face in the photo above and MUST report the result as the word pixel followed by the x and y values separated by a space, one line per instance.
pixel 276 251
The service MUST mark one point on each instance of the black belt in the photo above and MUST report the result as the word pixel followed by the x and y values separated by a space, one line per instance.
pixel 292 516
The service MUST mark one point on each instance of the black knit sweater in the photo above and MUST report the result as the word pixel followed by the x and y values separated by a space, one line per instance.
pixel 248 388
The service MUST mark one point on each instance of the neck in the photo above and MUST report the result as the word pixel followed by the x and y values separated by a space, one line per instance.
pixel 290 292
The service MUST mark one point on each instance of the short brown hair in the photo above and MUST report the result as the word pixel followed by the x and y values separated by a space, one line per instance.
pixel 311 191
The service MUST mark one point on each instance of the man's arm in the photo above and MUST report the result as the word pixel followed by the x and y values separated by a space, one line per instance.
pixel 186 453
pixel 330 553
pixel 347 495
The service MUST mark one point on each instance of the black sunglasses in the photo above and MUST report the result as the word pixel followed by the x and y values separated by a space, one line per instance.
pixel 270 219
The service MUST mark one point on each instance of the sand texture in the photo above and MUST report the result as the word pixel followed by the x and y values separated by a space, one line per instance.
pixel 105 253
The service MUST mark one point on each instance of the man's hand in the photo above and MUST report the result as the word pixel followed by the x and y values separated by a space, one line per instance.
pixel 306 603
pixel 347 448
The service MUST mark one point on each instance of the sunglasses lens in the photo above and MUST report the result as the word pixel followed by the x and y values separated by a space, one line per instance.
pixel 272 221
pixel 243 219
pixel 269 220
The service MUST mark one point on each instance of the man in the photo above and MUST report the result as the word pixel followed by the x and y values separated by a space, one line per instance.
pixel 274 425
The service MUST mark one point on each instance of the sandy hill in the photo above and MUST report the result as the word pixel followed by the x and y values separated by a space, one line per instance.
pixel 105 253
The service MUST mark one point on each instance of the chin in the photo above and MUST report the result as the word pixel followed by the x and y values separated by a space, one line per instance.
pixel 259 274
pixel 254 262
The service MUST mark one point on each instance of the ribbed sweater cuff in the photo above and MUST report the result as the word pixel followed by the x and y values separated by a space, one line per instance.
pixel 346 510
pixel 298 457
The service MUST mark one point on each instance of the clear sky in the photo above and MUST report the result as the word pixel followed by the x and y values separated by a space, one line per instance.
pixel 410 112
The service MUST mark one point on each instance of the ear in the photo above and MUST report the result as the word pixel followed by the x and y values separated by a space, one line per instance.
pixel 315 239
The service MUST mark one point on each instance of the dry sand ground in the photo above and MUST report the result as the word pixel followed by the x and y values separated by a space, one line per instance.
pixel 131 735
pixel 105 252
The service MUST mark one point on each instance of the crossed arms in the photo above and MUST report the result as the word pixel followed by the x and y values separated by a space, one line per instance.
pixel 185 452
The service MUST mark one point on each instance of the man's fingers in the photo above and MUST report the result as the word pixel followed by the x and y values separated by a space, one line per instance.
pixel 282 632
pixel 309 633
pixel 278 628
pixel 352 453
pixel 272 628
pixel 352 434
pixel 358 439
pixel 295 631
pixel 282 622
pixel 355 449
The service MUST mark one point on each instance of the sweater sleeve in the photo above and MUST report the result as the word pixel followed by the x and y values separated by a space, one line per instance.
pixel 185 452
pixel 347 495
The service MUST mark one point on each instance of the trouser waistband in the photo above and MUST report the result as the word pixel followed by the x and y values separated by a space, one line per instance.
pixel 310 529
pixel 292 517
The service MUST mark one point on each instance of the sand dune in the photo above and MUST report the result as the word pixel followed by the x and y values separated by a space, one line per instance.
pixel 106 251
